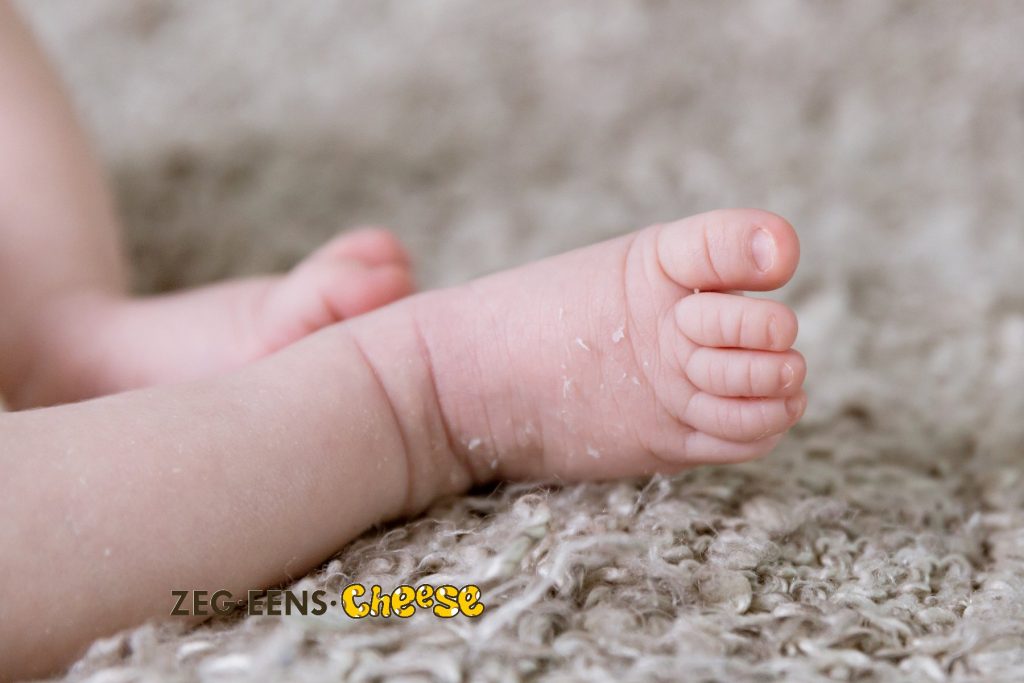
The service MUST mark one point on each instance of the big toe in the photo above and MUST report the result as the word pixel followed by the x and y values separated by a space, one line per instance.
pixel 370 246
pixel 319 292
pixel 730 249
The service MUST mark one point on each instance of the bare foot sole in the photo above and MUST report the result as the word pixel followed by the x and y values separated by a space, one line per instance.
pixel 92 345
pixel 629 357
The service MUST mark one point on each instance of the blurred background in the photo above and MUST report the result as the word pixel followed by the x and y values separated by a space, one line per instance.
pixel 240 134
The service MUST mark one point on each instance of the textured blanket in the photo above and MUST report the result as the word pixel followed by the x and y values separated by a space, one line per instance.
pixel 884 540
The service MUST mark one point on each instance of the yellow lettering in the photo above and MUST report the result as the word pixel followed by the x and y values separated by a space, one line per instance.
pixel 425 596
pixel 469 601
pixel 348 601
pixel 445 601
pixel 447 606
pixel 380 604
pixel 401 601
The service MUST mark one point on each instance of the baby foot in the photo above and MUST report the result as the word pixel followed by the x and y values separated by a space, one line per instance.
pixel 629 357
pixel 91 345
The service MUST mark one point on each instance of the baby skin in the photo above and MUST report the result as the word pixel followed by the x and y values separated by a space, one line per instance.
pixel 629 357
pixel 237 435
pixel 92 341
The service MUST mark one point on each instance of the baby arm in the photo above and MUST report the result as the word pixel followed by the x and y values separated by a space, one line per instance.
pixel 58 231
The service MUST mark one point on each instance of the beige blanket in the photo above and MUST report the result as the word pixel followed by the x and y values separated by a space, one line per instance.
pixel 882 541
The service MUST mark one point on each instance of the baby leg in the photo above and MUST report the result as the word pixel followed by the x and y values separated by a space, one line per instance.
pixel 70 331
pixel 603 362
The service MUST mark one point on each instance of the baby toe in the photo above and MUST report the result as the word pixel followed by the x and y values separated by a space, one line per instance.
pixel 729 249
pixel 318 293
pixel 704 448
pixel 726 320
pixel 743 419
pixel 369 246
pixel 741 373
pixel 346 293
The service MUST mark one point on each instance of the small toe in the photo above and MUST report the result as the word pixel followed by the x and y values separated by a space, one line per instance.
pixel 319 293
pixel 370 246
pixel 743 249
pixel 750 374
pixel 375 287
pixel 703 448
pixel 726 320
pixel 743 419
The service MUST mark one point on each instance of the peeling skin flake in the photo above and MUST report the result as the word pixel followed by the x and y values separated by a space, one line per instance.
pixel 619 334
pixel 582 344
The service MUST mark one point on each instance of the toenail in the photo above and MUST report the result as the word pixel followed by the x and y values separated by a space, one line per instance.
pixel 762 246
pixel 787 375
pixel 795 406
